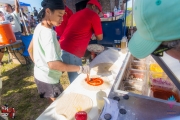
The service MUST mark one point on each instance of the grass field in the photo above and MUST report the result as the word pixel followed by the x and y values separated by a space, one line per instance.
pixel 20 91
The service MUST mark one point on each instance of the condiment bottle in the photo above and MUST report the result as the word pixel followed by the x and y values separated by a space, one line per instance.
pixel 87 61
pixel 100 99
pixel 124 45
pixel 93 55
pixel 119 43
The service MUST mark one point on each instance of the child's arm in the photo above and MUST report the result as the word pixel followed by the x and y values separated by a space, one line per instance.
pixel 30 50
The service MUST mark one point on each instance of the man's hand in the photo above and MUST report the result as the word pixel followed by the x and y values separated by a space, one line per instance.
pixel 93 37
pixel 84 69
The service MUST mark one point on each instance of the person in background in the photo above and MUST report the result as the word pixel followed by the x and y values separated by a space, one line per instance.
pixel 14 18
pixel 1 56
pixel 154 35
pixel 2 18
pixel 24 18
pixel 35 12
pixel 60 29
pixel 39 10
pixel 45 51
pixel 29 15
pixel 78 32
pixel 32 23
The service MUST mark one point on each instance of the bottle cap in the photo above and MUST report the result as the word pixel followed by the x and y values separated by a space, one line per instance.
pixel 124 39
pixel 126 97
pixel 116 98
pixel 122 111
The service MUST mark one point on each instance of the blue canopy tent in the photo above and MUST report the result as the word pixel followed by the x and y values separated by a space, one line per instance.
pixel 24 4
pixel 12 2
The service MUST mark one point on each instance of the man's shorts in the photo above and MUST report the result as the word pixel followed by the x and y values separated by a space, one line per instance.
pixel 46 90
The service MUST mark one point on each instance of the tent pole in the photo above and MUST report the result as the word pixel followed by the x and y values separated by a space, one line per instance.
pixel 23 19
pixel 31 9
pixel 132 20
pixel 132 13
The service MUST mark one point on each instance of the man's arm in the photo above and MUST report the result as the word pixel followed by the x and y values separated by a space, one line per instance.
pixel 30 50
pixel 16 6
pixel 97 27
pixel 99 37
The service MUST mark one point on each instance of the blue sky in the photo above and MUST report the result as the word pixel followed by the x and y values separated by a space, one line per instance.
pixel 37 3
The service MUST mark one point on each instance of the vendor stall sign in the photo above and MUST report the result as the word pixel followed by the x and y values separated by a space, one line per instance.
pixel 171 102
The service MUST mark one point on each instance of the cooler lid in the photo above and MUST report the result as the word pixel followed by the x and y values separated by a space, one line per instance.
pixel 4 22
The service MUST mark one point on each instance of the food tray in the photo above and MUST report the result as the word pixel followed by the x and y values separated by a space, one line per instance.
pixel 133 90
pixel 95 48
pixel 135 84
pixel 138 67
pixel 136 75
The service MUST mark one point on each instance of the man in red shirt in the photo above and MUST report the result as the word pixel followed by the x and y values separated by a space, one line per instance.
pixel 68 13
pixel 78 32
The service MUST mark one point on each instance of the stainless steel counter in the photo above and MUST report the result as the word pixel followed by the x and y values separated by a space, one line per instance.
pixel 145 109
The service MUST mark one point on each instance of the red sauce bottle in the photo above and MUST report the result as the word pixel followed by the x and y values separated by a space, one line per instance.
pixel 81 115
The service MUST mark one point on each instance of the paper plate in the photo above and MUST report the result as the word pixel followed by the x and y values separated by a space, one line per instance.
pixel 95 48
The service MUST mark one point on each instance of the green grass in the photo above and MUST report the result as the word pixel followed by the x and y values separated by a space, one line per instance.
pixel 20 91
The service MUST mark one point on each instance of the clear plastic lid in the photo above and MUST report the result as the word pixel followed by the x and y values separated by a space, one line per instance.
pixel 161 83
pixel 124 39
pixel 101 94
pixel 136 75
pixel 133 90
pixel 4 22
pixel 138 67
pixel 135 84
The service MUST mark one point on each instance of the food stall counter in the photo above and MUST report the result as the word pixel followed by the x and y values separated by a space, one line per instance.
pixel 112 18
pixel 86 95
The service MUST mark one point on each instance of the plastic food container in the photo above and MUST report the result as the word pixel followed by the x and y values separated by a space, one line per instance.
pixel 161 83
pixel 164 94
pixel 158 75
pixel 135 84
pixel 136 75
pixel 133 90
pixel 138 65
pixel 139 60
pixel 155 68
